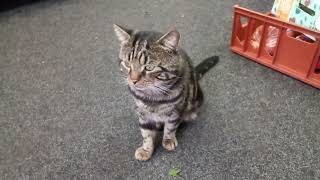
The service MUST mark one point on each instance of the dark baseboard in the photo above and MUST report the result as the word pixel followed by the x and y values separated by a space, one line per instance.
pixel 11 4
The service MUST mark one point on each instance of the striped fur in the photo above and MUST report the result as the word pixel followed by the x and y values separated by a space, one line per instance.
pixel 163 83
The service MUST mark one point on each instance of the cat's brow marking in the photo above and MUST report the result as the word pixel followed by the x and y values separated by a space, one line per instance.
pixel 136 46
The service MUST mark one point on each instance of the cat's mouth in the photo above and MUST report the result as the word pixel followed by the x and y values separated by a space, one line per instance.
pixel 139 88
pixel 145 90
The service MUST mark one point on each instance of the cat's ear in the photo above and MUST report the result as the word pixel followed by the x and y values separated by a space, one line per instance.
pixel 123 34
pixel 170 39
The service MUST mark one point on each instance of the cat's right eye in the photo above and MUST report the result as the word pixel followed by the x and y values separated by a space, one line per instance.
pixel 125 66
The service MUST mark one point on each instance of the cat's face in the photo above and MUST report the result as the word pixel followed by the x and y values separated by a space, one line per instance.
pixel 151 65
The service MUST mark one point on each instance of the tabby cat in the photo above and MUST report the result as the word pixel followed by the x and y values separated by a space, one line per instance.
pixel 163 83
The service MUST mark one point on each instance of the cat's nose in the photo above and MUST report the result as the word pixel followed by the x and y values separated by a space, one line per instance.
pixel 135 76
pixel 134 81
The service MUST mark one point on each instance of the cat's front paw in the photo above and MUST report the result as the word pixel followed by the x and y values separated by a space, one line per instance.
pixel 142 155
pixel 170 144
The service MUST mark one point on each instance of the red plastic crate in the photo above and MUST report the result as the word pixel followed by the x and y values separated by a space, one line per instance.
pixel 294 57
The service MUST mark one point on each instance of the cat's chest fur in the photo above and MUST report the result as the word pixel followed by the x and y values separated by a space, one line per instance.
pixel 158 113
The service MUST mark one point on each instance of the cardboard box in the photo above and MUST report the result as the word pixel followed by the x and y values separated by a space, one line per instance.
pixel 306 14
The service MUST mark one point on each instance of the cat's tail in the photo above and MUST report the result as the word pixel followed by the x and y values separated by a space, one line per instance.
pixel 205 66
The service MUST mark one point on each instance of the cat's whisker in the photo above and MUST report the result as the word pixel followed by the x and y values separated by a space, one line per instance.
pixel 163 90
pixel 124 80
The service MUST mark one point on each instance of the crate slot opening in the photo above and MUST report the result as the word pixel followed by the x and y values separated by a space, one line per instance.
pixel 242 29
pixel 271 36
pixel 244 21
pixel 300 36
pixel 317 70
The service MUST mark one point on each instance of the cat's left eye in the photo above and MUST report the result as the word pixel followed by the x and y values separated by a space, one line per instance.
pixel 149 67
